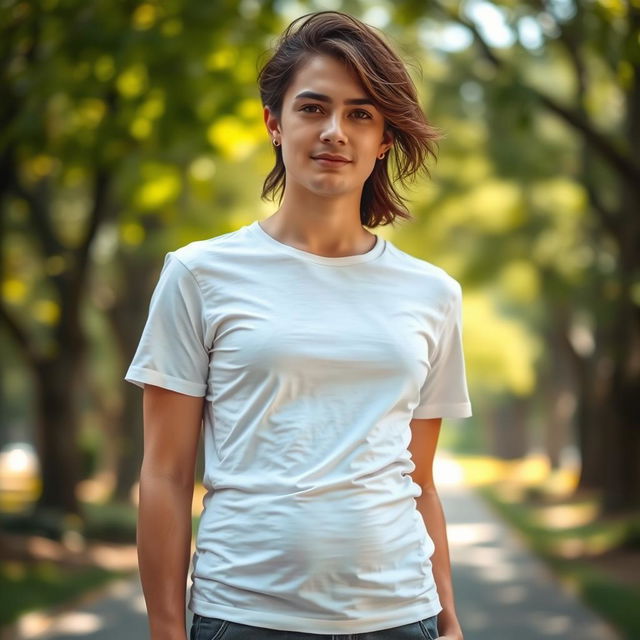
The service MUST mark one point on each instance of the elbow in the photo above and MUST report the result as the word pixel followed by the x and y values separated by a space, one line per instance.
pixel 428 487
pixel 176 479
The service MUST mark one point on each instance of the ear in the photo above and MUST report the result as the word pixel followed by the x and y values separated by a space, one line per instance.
pixel 387 140
pixel 271 122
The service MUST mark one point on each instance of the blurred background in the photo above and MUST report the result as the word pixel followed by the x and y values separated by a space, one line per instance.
pixel 129 129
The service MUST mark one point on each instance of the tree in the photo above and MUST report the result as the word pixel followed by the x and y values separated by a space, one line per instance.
pixel 602 46
pixel 93 94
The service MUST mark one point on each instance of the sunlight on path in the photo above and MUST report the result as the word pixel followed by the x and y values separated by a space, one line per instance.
pixel 107 613
pixel 502 591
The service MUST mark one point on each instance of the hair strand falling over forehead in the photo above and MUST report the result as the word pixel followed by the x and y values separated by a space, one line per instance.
pixel 385 79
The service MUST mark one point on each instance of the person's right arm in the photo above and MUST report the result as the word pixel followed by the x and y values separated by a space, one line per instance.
pixel 172 424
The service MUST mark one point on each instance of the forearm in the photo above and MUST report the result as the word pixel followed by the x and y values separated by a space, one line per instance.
pixel 164 546
pixel 430 508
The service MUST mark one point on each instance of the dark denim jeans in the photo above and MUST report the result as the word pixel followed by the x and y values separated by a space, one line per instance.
pixel 217 629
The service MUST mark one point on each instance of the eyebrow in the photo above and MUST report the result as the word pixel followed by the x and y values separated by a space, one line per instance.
pixel 323 98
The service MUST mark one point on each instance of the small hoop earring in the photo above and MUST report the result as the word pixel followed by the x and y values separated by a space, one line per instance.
pixel 381 156
pixel 275 143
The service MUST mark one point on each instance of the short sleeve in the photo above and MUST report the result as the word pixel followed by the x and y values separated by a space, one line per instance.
pixel 444 393
pixel 172 351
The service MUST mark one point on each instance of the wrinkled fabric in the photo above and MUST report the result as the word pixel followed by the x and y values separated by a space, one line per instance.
pixel 312 368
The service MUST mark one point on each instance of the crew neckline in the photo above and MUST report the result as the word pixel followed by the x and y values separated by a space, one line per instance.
pixel 373 253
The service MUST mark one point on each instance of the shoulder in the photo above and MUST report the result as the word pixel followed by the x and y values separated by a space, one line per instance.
pixel 200 254
pixel 429 275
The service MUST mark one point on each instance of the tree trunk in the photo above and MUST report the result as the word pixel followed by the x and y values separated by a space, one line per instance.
pixel 622 442
pixel 510 434
pixel 128 317
pixel 559 392
pixel 590 421
pixel 57 434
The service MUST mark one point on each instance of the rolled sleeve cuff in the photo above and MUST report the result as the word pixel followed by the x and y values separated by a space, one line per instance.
pixel 459 410
pixel 140 377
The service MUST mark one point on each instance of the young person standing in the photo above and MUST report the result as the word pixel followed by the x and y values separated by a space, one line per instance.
pixel 319 360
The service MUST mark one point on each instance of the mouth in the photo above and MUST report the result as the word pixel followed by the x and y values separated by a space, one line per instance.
pixel 329 162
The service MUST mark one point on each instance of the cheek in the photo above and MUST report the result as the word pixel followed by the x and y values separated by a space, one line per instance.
pixel 368 166
pixel 298 147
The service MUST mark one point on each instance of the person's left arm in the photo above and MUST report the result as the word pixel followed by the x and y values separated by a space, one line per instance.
pixel 424 438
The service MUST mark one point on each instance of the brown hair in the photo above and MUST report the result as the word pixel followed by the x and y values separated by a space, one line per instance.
pixel 384 77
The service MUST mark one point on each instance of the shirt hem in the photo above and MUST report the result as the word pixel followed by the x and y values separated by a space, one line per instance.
pixel 375 621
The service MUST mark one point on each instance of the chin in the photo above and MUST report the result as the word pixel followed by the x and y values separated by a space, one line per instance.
pixel 338 190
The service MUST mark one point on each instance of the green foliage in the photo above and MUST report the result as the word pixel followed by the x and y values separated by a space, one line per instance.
pixel 30 586
pixel 111 522
pixel 159 101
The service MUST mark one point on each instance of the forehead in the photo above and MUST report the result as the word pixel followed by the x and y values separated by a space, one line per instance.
pixel 328 75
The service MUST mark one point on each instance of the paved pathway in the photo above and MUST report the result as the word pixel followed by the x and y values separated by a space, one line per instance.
pixel 502 591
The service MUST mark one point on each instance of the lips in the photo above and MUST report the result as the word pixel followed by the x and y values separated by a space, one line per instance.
pixel 331 163
pixel 331 158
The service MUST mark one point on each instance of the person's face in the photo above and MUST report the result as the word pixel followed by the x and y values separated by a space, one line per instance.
pixel 326 123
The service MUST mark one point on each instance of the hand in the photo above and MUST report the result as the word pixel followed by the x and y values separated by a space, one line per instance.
pixel 451 634
pixel 448 626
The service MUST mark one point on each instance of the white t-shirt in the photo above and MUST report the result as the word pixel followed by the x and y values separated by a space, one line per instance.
pixel 312 368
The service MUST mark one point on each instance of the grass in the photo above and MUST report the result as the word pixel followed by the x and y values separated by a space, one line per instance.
pixel 29 582
pixel 615 602
pixel 55 574
pixel 28 586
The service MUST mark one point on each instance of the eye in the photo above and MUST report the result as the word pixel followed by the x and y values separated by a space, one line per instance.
pixel 365 115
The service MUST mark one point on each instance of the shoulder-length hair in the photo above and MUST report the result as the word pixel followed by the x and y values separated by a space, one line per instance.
pixel 384 77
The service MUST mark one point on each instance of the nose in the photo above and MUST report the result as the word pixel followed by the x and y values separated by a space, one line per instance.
pixel 333 131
